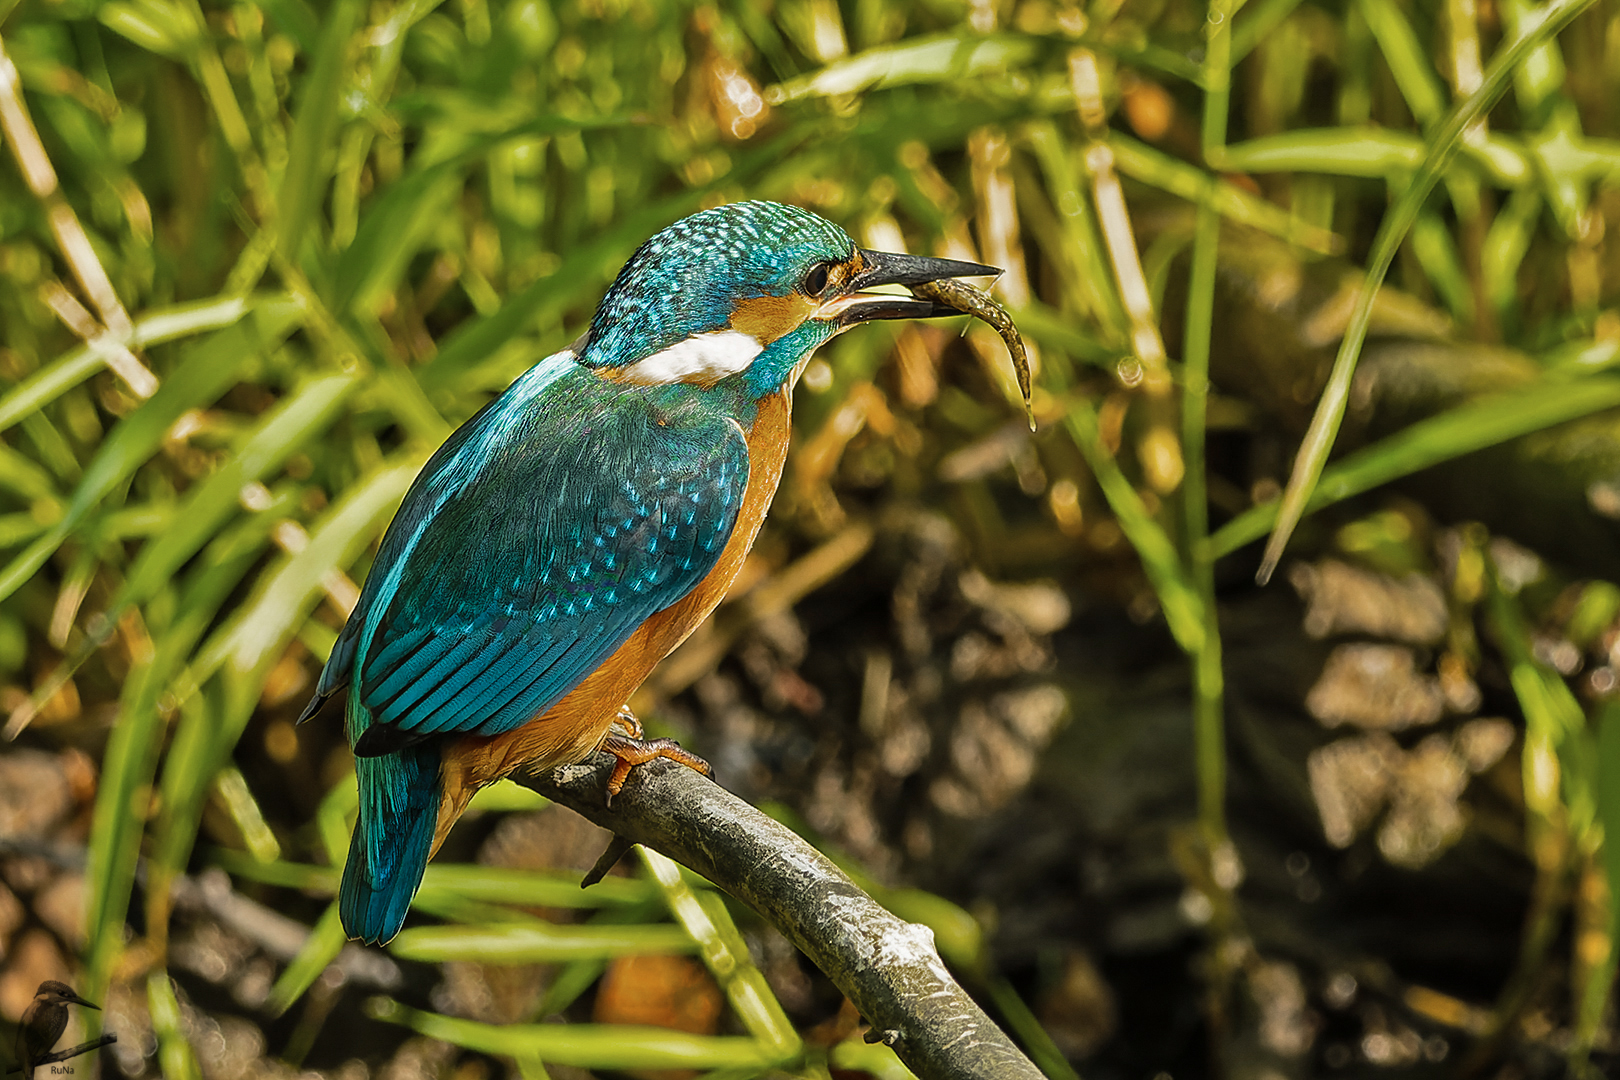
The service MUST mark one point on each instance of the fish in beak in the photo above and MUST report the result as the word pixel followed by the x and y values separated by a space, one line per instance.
pixel 850 306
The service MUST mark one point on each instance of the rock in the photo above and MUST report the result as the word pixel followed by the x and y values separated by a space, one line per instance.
pixel 34 793
pixel 1377 687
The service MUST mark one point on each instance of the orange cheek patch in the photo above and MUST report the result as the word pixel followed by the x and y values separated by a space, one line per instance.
pixel 766 318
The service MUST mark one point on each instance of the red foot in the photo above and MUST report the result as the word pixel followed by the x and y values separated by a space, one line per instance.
pixel 636 751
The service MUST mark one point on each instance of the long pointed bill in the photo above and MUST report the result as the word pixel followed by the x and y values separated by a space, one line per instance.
pixel 852 306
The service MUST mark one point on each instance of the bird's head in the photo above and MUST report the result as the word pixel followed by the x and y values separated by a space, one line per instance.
pixel 58 993
pixel 749 289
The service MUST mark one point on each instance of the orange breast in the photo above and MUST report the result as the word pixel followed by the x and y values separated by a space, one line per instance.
pixel 576 725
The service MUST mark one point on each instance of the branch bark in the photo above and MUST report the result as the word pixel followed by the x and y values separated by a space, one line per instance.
pixel 888 967
pixel 65 1055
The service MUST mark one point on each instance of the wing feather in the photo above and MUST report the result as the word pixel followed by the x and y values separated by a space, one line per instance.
pixel 533 556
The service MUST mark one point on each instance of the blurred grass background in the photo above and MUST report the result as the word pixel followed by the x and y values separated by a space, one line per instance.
pixel 258 259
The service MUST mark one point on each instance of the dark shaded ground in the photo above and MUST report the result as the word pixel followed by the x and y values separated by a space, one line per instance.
pixel 1019 749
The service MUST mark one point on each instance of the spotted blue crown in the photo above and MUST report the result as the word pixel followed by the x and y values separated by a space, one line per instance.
pixel 688 278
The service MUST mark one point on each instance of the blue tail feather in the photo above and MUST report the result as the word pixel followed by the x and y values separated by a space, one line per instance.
pixel 399 808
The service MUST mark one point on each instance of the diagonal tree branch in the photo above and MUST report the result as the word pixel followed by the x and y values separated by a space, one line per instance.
pixel 68 1054
pixel 888 967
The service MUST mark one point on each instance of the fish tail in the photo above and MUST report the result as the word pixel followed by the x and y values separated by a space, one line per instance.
pixel 399 807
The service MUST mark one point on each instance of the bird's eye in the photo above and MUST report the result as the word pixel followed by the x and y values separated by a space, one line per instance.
pixel 816 280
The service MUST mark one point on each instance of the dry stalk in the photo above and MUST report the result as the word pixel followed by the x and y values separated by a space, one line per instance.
pixel 110 339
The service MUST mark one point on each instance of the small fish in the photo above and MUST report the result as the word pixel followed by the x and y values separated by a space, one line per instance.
pixel 977 303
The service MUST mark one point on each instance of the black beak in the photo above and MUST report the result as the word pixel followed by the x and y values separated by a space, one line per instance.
pixel 77 1000
pixel 890 268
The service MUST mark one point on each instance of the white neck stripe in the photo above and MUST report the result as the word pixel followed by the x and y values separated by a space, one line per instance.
pixel 702 358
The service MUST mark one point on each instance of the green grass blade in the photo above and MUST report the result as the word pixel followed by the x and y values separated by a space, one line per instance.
pixel 1050 329
pixel 232 790
pixel 1182 608
pixel 1542 73
pixel 1208 672
pixel 255 637
pixel 1259 18
pixel 188 776
pixel 24 476
pixel 939 58
pixel 20 527
pixel 1407 60
pixel 155 327
pixel 1459 431
pixel 1507 241
pixel 1023 1022
pixel 322 946
pixel 288 875
pixel 1142 162
pixel 158 27
pixel 747 991
pixel 858 1055
pixel 1370 152
pixel 401 218
pixel 504 796
pixel 581 270
pixel 281 432
pixel 297 19
pixel 531 888
pixel 585 1046
pixel 210 367
pixel 1079 254
pixel 703 915
pixel 122 799
pixel 394 227
pixel 1437 253
pixel 532 1068
pixel 1324 427
pixel 1554 722
pixel 1608 805
pixel 49 383
pixel 247 648
pixel 536 943
pixel 310 145
pixel 175 1056
pixel 333 817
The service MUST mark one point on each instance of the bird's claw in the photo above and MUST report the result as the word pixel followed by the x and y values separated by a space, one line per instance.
pixel 627 722
pixel 636 751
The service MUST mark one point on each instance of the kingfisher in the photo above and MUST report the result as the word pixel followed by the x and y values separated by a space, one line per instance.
pixel 582 524
pixel 44 1021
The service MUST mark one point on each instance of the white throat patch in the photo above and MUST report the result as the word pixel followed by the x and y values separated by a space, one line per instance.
pixel 702 358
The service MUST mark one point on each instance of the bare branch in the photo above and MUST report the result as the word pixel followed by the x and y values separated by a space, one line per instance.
pixel 888 967
pixel 71 1052
pixel 113 352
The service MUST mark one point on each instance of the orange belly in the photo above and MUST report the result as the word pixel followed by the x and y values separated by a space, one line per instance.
pixel 577 724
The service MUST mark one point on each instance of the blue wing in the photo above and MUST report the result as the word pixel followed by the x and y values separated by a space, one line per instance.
pixel 534 543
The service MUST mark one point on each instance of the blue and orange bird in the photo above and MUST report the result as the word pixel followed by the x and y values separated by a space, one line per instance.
pixel 571 534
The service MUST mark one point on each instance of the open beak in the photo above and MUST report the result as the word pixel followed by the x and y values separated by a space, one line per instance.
pixel 852 306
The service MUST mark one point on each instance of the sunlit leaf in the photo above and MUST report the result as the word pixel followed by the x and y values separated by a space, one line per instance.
pixel 209 367
pixel 536 943
pixel 586 1046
